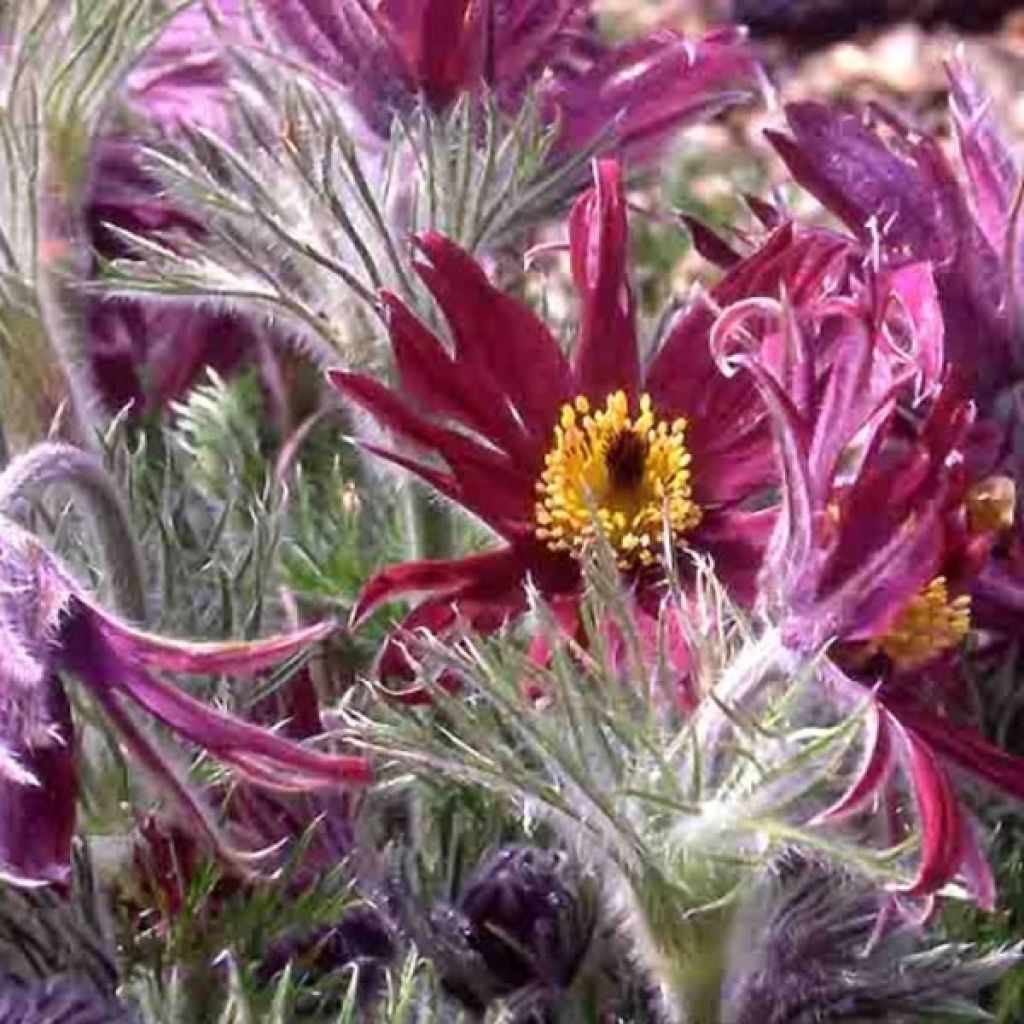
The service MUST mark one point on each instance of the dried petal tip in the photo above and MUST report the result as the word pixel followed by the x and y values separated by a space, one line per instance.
pixel 991 505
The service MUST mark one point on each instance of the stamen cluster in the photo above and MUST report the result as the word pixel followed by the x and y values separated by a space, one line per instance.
pixel 928 625
pixel 620 476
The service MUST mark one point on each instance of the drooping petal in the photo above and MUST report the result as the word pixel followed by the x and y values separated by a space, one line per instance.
pixel 234 657
pixel 607 358
pixel 438 576
pixel 941 821
pixel 963 747
pixel 873 772
pixel 106 663
pixel 37 806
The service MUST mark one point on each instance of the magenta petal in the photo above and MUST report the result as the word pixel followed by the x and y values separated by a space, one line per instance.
pixel 607 357
pixel 438 382
pixel 429 577
pixel 941 823
pixel 107 666
pixel 709 244
pixel 984 152
pixel 37 821
pixel 275 761
pixel 442 44
pixel 964 747
pixel 873 773
pixel 648 89
pixel 912 289
pixel 237 657
pixel 976 869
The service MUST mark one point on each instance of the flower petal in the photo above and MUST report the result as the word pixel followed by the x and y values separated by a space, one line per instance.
pixel 606 354
pixel 873 773
pixel 647 89
pixel 941 822
pixel 37 818
pixel 497 338
pixel 233 657
pixel 107 664
pixel 963 746
pixel 444 576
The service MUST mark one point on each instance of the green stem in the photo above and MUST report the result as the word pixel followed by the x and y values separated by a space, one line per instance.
pixel 62 263
pixel 428 523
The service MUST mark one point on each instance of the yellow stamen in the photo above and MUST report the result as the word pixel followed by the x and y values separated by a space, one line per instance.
pixel 990 505
pixel 930 624
pixel 613 474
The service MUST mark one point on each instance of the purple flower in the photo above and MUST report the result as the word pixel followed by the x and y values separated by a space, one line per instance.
pixel 388 52
pixel 906 202
pixel 897 192
pixel 882 534
pixel 145 353
pixel 50 626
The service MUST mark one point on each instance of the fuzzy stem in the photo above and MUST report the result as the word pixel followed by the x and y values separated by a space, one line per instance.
pixel 428 524
pixel 106 513
pixel 62 256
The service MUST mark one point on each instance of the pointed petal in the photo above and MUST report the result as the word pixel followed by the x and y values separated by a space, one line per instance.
pixel 444 576
pixel 964 747
pixel 448 388
pixel 470 461
pixel 709 244
pixel 941 822
pixel 607 358
pixel 873 773
pixel 498 339
pixel 235 657
pixel 111 667
pixel 976 869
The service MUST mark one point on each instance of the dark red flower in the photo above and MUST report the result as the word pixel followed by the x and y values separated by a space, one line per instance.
pixel 882 533
pixel 387 52
pixel 548 449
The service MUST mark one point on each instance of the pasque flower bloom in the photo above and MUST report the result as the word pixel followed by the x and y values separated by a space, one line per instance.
pixel 906 201
pixel 549 450
pixel 882 533
pixel 49 627
pixel 388 52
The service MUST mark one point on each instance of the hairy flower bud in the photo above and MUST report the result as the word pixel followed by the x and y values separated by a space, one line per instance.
pixel 523 920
